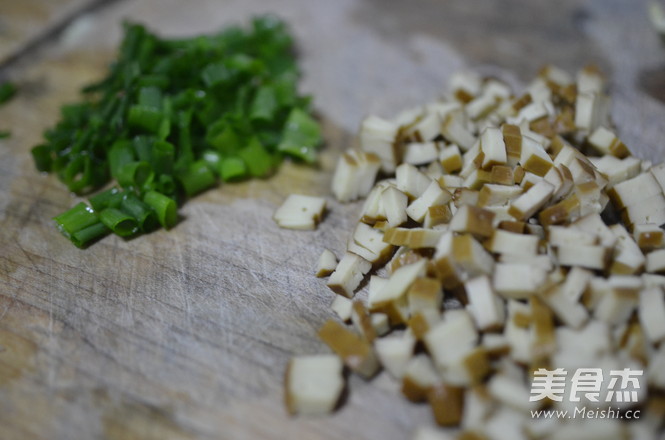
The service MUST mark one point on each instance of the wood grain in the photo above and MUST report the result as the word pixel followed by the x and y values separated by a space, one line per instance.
pixel 23 23
pixel 185 334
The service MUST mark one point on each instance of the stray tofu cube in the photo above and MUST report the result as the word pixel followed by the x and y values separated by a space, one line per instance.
pixel 300 212
pixel 313 384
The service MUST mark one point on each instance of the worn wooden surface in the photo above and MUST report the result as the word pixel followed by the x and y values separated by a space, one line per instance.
pixel 185 334
pixel 24 23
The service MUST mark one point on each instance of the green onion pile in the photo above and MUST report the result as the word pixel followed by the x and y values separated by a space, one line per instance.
pixel 173 117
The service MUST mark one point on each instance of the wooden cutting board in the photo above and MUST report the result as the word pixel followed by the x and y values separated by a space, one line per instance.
pixel 185 334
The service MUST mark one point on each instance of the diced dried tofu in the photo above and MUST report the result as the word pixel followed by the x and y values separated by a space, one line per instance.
pixel 300 212
pixel 635 190
pixel 649 236
pixel 394 204
pixel 534 158
pixel 381 323
pixel 594 224
pixel 591 110
pixel 564 305
pixel 394 353
pixel 511 392
pixel 484 305
pixel 411 181
pixel 420 153
pixel 526 205
pixel 368 242
pixel 450 159
pixel 419 377
pixel 313 384
pixel 656 261
pixel 378 136
pixel 453 128
pixel 452 338
pixel 493 148
pixel 627 258
pixel 606 142
pixel 651 312
pixel 505 242
pixel 356 352
pixel 434 195
pixel 517 281
pixel 391 297
pixel 362 321
pixel 583 255
pixel 649 210
pixel 355 175
pixel 465 85
pixel 617 170
pixel 348 275
pixel 447 403
pixel 473 220
pixel 342 305
pixel 425 294
pixel 326 264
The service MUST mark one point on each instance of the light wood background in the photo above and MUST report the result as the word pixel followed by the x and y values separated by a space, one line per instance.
pixel 185 334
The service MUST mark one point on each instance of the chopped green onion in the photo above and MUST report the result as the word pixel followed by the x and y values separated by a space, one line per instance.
pixel 232 168
pixel 75 219
pixel 164 207
pixel 264 105
pixel 145 117
pixel 4 134
pixel 174 116
pixel 134 174
pixel 142 212
pixel 196 178
pixel 162 158
pixel 301 136
pixel 43 158
pixel 259 161
pixel 85 236
pixel 119 222
pixel 105 199
pixel 120 154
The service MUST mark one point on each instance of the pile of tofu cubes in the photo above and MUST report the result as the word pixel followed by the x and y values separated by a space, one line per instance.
pixel 500 234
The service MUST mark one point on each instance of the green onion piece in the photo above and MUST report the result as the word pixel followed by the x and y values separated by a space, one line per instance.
pixel 213 158
pixel 119 222
pixel 143 147
pixel 43 158
pixel 4 134
pixel 215 73
pixel 264 105
pixel 120 154
pixel 142 212
pixel 145 117
pixel 87 235
pixel 150 97
pixel 226 140
pixel 78 174
pixel 166 184
pixel 165 208
pixel 162 157
pixel 232 168
pixel 259 161
pixel 75 219
pixel 134 174
pixel 7 91
pixel 301 136
pixel 196 178
pixel 105 199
